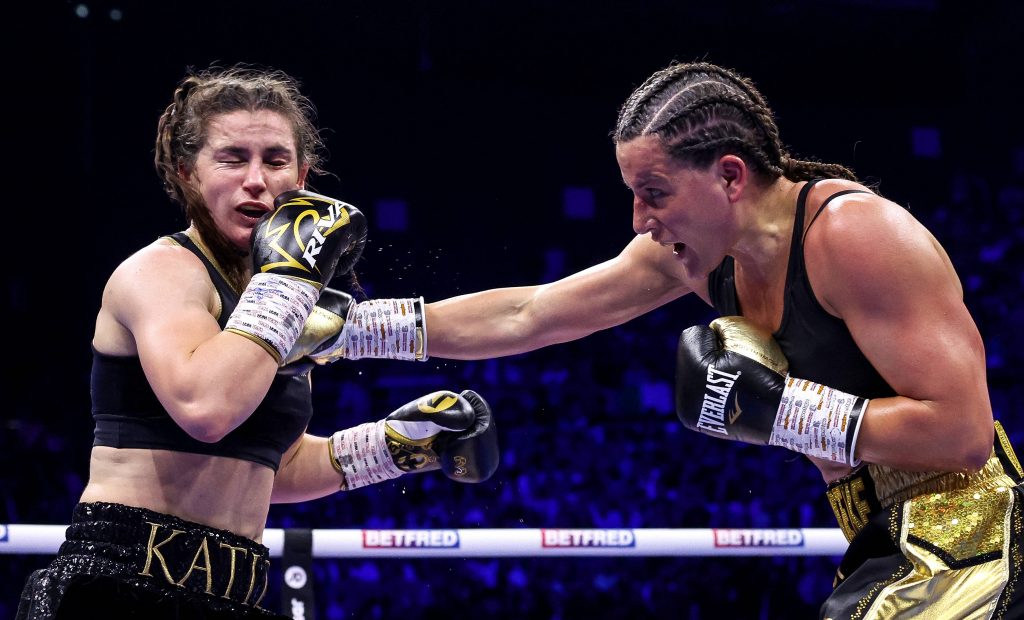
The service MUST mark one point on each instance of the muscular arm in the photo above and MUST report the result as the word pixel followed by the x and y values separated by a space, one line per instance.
pixel 883 273
pixel 507 321
pixel 209 380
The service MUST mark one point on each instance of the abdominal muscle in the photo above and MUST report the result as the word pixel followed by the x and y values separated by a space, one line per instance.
pixel 216 491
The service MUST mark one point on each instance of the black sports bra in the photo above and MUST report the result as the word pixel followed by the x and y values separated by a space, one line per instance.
pixel 129 415
pixel 819 346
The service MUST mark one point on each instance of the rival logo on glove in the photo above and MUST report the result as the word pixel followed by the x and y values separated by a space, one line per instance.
pixel 716 396
pixel 438 401
pixel 310 243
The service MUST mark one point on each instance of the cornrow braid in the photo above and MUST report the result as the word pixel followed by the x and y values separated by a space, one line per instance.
pixel 181 133
pixel 702 111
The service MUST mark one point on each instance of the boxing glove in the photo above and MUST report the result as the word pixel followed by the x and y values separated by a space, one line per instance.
pixel 323 327
pixel 732 382
pixel 309 237
pixel 296 249
pixel 452 432
pixel 340 328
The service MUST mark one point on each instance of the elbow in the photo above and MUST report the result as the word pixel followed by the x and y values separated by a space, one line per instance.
pixel 204 423
pixel 206 433
pixel 977 459
pixel 975 449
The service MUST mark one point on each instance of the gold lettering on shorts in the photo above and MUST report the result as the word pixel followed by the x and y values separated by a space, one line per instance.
pixel 203 549
pixel 266 577
pixel 154 550
pixel 231 577
pixel 252 579
pixel 850 507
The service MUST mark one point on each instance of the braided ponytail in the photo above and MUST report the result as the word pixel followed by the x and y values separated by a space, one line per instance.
pixel 702 111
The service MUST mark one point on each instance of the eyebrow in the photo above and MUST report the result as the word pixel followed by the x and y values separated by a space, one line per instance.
pixel 641 180
pixel 239 150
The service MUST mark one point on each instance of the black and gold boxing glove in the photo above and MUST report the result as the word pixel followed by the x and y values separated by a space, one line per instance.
pixel 732 382
pixel 443 430
pixel 295 252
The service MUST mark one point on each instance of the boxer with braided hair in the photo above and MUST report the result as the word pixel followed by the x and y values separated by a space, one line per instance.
pixel 200 411
pixel 844 337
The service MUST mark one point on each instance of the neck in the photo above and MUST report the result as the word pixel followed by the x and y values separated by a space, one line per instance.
pixel 768 229
pixel 221 262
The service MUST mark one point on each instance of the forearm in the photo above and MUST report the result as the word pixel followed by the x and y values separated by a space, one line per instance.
pixel 442 430
pixel 915 435
pixel 495 323
pixel 307 473
pixel 212 389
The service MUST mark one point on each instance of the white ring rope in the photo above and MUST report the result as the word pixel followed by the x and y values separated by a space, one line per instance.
pixel 553 542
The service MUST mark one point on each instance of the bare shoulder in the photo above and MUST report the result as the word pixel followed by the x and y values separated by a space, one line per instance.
pixel 153 264
pixel 863 244
pixel 161 273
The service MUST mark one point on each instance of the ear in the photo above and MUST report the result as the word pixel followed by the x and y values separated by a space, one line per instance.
pixel 184 173
pixel 735 176
pixel 303 173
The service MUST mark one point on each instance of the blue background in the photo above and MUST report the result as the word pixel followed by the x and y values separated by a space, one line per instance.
pixel 475 137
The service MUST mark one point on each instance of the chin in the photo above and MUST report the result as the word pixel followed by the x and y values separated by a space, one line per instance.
pixel 242 245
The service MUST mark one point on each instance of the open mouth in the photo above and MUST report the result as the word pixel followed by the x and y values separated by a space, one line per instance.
pixel 677 248
pixel 251 211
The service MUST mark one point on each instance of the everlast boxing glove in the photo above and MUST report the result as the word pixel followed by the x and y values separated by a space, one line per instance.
pixel 732 382
pixel 296 249
pixel 443 430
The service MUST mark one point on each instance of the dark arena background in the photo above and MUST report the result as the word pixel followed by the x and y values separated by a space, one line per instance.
pixel 475 136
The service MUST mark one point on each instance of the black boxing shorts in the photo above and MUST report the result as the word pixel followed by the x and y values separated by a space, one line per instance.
pixel 120 560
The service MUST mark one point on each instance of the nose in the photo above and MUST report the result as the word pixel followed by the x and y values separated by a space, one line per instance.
pixel 254 182
pixel 642 222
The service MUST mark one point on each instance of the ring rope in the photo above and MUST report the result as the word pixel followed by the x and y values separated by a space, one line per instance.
pixel 510 542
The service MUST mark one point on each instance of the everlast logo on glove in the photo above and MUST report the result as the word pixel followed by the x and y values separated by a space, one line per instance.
pixel 716 396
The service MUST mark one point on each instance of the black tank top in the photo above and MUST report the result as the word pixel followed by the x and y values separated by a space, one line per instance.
pixel 818 345
pixel 128 414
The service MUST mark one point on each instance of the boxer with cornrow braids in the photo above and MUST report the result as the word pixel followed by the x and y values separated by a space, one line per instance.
pixel 843 336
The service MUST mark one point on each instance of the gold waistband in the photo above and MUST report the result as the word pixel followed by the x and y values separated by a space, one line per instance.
pixel 854 498
pixel 894 485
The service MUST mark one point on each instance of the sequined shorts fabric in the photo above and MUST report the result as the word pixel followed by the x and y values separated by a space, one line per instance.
pixel 931 545
pixel 120 559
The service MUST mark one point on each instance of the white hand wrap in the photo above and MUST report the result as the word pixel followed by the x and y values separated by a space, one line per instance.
pixel 272 311
pixel 361 454
pixel 393 329
pixel 819 421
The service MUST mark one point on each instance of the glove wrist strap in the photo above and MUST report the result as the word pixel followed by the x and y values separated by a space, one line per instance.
pixel 393 329
pixel 819 421
pixel 361 455
pixel 272 311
